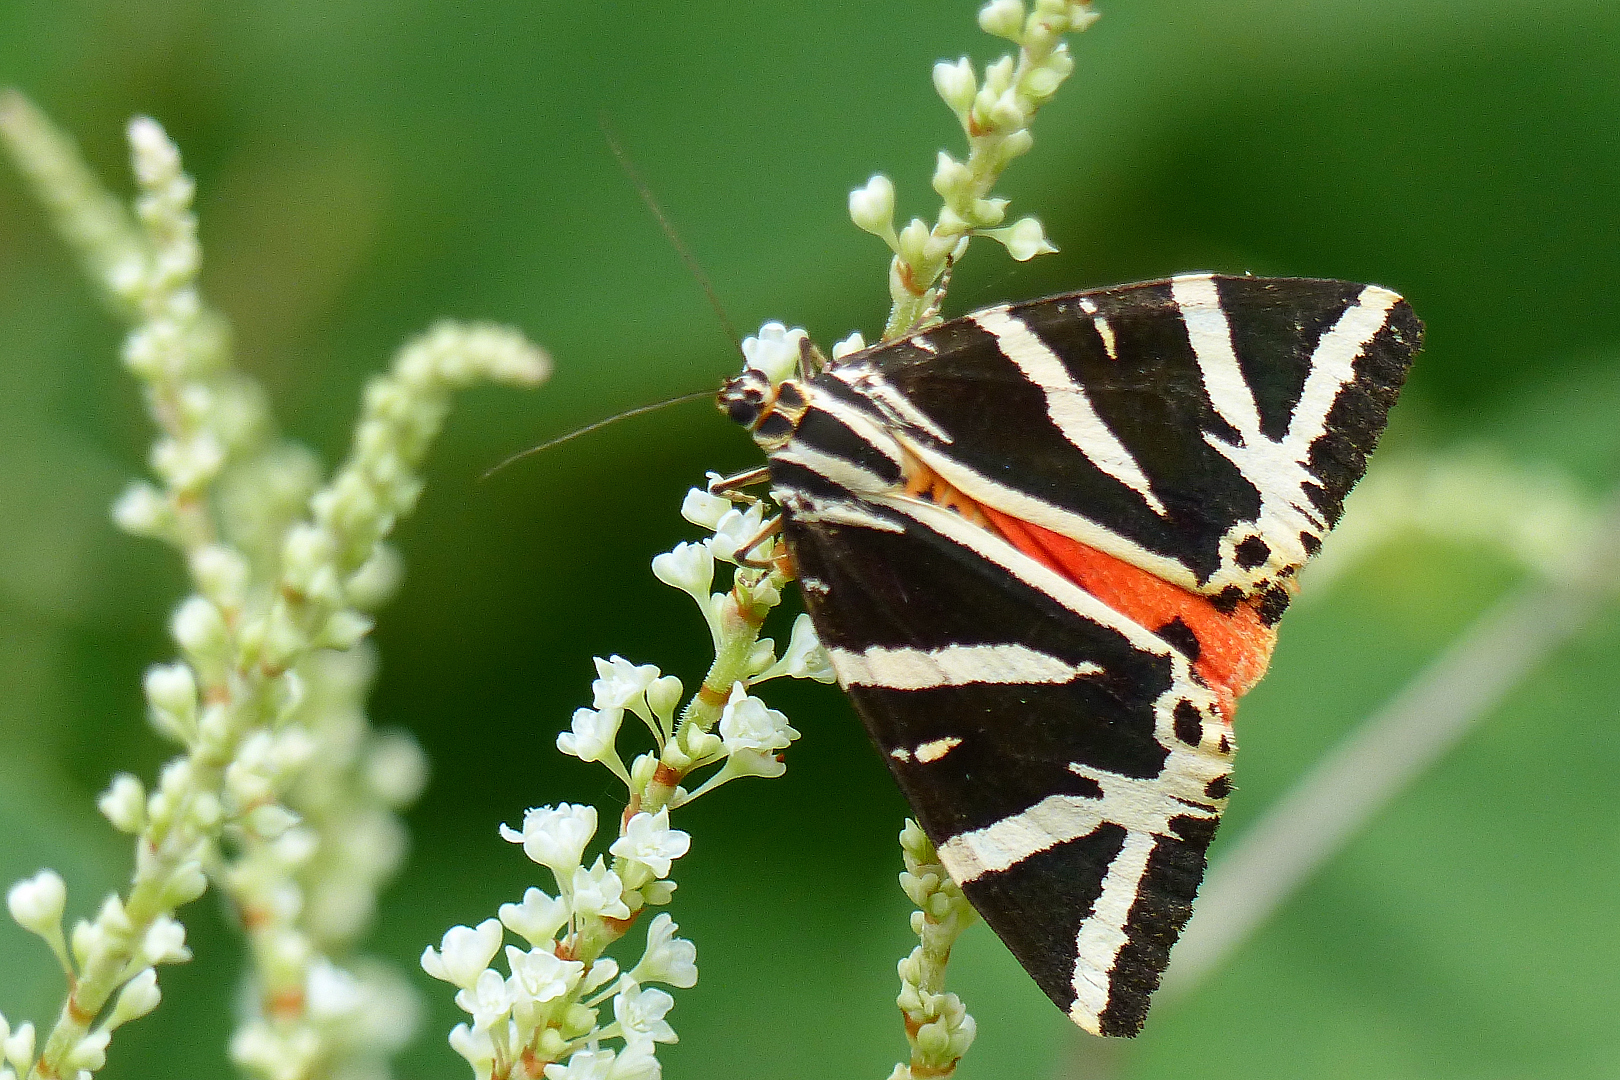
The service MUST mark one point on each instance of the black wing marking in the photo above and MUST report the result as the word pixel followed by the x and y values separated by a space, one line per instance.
pixel 1170 423
pixel 1032 730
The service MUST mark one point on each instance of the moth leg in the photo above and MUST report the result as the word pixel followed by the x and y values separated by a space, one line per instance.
pixel 811 360
pixel 767 531
pixel 731 486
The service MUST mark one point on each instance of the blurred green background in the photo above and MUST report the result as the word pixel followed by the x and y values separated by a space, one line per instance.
pixel 365 168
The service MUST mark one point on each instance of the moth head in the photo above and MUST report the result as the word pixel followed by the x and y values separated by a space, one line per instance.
pixel 746 398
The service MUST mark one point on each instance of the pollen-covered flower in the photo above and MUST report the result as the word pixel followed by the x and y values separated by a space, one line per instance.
pixel 649 840
pixel 555 836
pixel 464 952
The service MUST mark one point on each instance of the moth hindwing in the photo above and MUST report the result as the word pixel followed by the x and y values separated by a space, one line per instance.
pixel 1046 546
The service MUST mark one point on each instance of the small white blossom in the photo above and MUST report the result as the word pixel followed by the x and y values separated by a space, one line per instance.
pixel 487 1001
pixel 775 351
pixel 476 1047
pixel 689 567
pixel 90 1054
pixel 463 953
pixel 588 1064
pixel 555 837
pixel 649 840
pixel 165 942
pixel 36 903
pixel 331 993
pixel 124 804
pixel 736 528
pixel 667 958
pixel 703 509
pixel 540 975
pixel 596 892
pixel 18 1048
pixel 604 971
pixel 199 628
pixel 143 510
pixel 804 658
pixel 956 84
pixel 138 997
pixel 1003 18
pixel 636 1062
pixel 872 207
pixel 641 1014
pixel 619 683
pixel 849 346
pixel 537 919
pixel 748 724
pixel 592 735
pixel 1024 239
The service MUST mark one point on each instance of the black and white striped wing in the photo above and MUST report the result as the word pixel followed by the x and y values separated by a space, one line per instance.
pixel 1063 759
pixel 1204 428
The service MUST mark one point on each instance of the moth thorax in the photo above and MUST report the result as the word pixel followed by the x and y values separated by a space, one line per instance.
pixel 770 413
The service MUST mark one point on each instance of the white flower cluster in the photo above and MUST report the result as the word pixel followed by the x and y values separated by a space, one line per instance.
pixel 545 1012
pixel 282 793
pixel 937 1024
pixel 995 113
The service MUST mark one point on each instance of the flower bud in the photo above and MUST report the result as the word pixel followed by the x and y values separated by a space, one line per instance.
pixel 956 84
pixel 37 902
pixel 124 804
pixel 872 207
pixel 1003 18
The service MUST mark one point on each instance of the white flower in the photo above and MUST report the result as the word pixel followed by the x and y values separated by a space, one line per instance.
pixel 332 993
pixel 1003 18
pixel 849 346
pixel 593 734
pixel 1024 239
pixel 555 837
pixel 535 920
pixel 124 804
pixel 747 724
pixel 476 1046
pixel 641 1014
pixel 703 509
pixel 689 568
pixel 463 953
pixel 19 1048
pixel 871 208
pixel 138 997
pixel 487 1001
pixel 36 903
pixel 775 351
pixel 165 942
pixel 956 83
pixel 588 1064
pixel 804 658
pixel 649 840
pixel 604 971
pixel 734 529
pixel 667 958
pixel 539 974
pixel 636 1062
pixel 596 892
pixel 619 683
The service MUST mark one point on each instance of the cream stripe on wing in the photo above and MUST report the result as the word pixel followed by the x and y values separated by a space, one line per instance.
pixel 1103 934
pixel 953 665
pixel 1211 338
pixel 1066 401
pixel 1333 366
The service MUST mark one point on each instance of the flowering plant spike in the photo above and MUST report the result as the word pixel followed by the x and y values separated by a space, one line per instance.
pixel 279 771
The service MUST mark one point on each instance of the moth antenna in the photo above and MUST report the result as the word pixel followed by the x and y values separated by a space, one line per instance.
pixel 669 230
pixel 588 428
